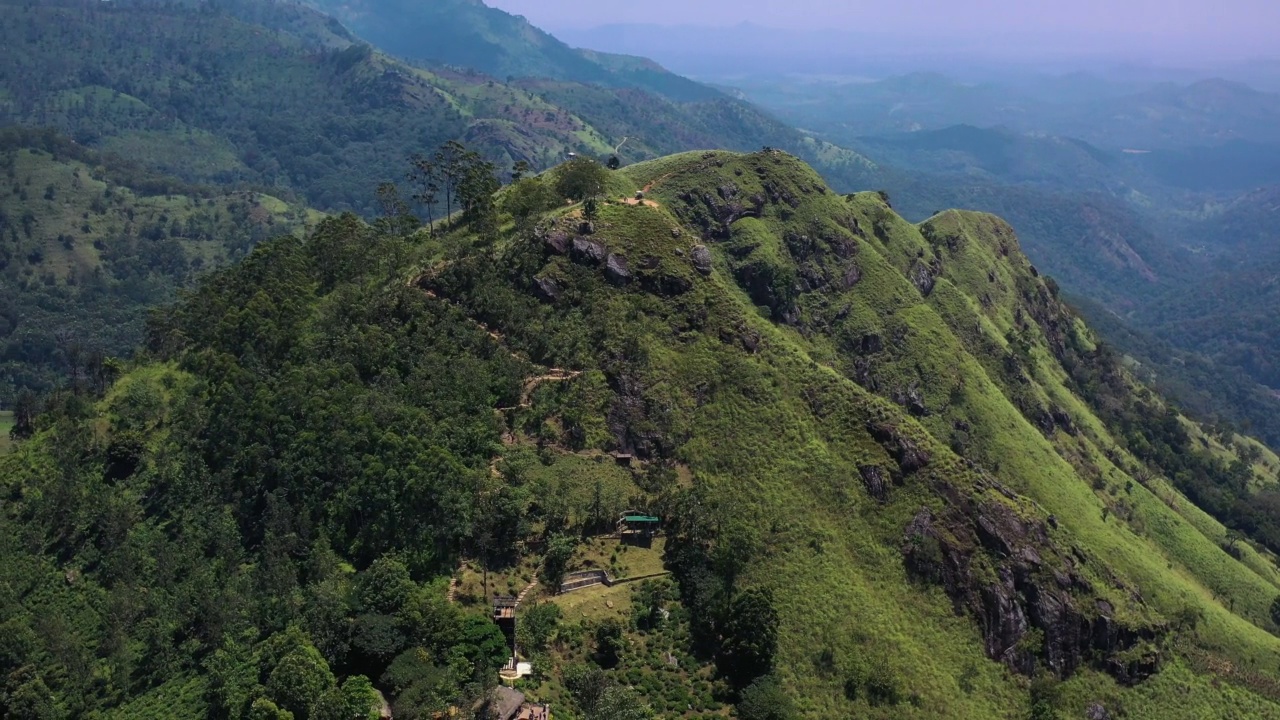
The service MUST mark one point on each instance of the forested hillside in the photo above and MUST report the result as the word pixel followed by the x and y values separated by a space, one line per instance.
pixel 89 244
pixel 206 93
pixel 252 97
pixel 471 34
pixel 899 478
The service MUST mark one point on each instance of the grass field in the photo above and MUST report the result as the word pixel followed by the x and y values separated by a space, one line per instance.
pixel 596 603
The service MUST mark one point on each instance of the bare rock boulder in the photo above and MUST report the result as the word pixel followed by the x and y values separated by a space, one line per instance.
pixel 701 257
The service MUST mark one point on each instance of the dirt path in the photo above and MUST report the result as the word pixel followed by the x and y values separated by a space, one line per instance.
pixel 530 384
pixel 655 181
pixel 636 201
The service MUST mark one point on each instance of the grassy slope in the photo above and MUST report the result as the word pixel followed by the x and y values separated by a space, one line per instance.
pixel 795 472
pixel 87 208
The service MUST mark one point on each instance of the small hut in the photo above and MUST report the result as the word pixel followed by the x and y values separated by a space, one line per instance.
pixel 505 703
pixel 638 528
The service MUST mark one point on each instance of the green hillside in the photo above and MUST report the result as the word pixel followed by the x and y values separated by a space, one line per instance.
pixel 279 96
pixel 468 33
pixel 645 110
pixel 899 478
pixel 88 244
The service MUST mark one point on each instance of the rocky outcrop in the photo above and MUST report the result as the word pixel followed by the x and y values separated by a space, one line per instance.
pixel 1034 606
pixel 616 269
pixel 871 344
pixel 701 257
pixel 587 252
pixel 1097 711
pixel 852 276
pixel 876 481
pixel 912 399
pixel 923 276
pixel 635 423
pixel 547 289
pixel 908 454
pixel 714 212
pixel 557 242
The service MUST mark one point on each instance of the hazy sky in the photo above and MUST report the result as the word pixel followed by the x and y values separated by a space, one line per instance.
pixel 1239 25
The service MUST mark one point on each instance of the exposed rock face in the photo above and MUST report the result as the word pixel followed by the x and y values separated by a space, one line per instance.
pixel 588 252
pixel 701 258
pixel 586 227
pixel 1097 711
pixel 910 457
pixel 666 284
pixel 557 241
pixel 1004 570
pixel 876 480
pixel 852 275
pixel 715 212
pixel 616 270
pixel 923 277
pixel 547 289
pixel 631 419
pixel 911 399
pixel 872 344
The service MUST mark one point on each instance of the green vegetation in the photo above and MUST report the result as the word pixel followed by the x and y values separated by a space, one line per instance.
pixel 89 243
pixel 906 481
pixel 274 95
pixel 6 426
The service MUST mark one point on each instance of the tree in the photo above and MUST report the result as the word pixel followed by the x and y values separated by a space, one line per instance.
pixel 233 676
pixel 765 699
pixel 299 680
pixel 620 703
pixel 581 178
pixel 482 643
pixel 536 627
pixel 449 159
pixel 355 700
pixel 609 642
pixel 476 184
pixel 601 699
pixel 24 415
pixel 31 698
pixel 556 562
pixel 519 170
pixel 614 163
pixel 384 586
pixel 421 687
pixel 264 709
pixel 1275 610
pixel 587 684
pixel 396 217
pixel 591 209
pixel 750 636
pixel 425 176
pixel 1045 697
pixel 528 197
pixel 648 601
